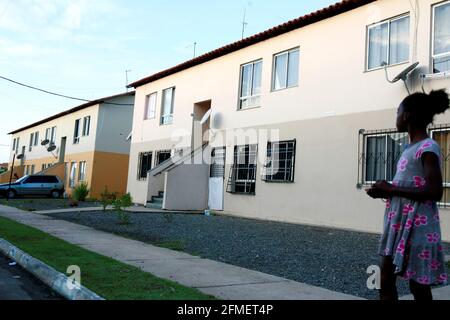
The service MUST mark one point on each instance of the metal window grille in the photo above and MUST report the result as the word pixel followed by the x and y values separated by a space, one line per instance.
pixel 379 153
pixel 145 165
pixel 441 134
pixel 382 164
pixel 280 162
pixel 242 179
pixel 163 156
pixel 218 163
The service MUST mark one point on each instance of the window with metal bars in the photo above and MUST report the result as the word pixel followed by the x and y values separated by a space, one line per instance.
pixel 280 162
pixel 145 165
pixel 441 134
pixel 163 156
pixel 242 179
pixel 379 153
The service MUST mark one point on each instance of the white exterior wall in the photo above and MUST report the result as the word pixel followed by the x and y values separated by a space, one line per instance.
pixel 64 128
pixel 114 126
pixel 334 90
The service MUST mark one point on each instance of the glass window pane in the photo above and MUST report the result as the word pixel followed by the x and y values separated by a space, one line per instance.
pixel 152 106
pixel 441 64
pixel 257 74
pixel 399 41
pixel 442 29
pixel 246 84
pixel 280 76
pixel 375 158
pixel 378 45
pixel 293 68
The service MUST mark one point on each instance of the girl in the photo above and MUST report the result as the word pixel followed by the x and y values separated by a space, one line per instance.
pixel 411 243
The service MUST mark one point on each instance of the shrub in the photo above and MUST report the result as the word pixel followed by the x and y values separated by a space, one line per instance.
pixel 107 198
pixel 80 192
pixel 120 204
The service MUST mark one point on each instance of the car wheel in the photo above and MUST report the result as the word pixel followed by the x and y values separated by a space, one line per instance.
pixel 11 194
pixel 55 194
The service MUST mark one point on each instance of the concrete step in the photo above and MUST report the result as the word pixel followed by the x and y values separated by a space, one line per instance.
pixel 161 194
pixel 151 205
pixel 157 200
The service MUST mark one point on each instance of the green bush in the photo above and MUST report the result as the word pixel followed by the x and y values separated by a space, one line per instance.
pixel 120 204
pixel 107 198
pixel 80 192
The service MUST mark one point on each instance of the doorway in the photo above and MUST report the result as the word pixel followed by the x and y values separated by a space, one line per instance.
pixel 217 179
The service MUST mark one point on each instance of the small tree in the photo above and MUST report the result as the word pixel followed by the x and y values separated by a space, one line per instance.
pixel 80 192
pixel 107 198
pixel 120 204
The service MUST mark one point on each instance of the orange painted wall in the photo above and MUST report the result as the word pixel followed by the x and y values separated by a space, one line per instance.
pixel 111 170
pixel 4 177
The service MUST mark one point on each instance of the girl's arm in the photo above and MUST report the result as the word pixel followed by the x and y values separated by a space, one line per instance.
pixel 432 191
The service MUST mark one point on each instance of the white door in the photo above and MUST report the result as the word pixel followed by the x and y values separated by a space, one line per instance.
pixel 217 179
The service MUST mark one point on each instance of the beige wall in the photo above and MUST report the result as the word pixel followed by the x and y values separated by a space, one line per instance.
pixel 64 128
pixel 334 99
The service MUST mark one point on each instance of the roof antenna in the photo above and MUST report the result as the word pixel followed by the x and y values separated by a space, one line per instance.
pixel 126 76
pixel 195 48
pixel 244 23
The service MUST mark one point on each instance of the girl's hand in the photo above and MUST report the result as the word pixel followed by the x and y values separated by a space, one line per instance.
pixel 380 190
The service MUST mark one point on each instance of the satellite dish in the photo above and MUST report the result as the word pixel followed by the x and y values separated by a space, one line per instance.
pixel 206 116
pixel 51 148
pixel 20 156
pixel 402 75
pixel 45 142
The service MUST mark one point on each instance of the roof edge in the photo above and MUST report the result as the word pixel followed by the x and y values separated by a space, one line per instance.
pixel 75 109
pixel 303 21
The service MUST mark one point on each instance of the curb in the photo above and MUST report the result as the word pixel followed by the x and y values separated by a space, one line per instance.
pixel 49 276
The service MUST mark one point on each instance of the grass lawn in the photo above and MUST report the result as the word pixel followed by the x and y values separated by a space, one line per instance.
pixel 38 204
pixel 109 278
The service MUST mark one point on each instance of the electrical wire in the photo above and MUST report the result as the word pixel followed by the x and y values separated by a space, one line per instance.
pixel 58 94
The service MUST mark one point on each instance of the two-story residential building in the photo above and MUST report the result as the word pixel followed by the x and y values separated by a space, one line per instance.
pixel 87 143
pixel 301 116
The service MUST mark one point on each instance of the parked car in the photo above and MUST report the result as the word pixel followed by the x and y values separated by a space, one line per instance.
pixel 34 185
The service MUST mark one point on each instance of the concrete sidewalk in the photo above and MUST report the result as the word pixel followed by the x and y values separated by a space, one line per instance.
pixel 138 209
pixel 221 280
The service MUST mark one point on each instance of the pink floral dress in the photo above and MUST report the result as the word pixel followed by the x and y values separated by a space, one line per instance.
pixel 412 231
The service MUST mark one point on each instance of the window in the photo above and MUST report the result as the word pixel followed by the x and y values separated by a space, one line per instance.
pixel 280 161
pixel 145 165
pixel 82 171
pixel 36 138
pixel 53 135
pixel 73 174
pixel 32 169
pixel 150 106
pixel 31 142
pixel 442 137
pixel 76 132
pixel 16 143
pixel 381 151
pixel 163 156
pixel 441 37
pixel 286 68
pixel 48 134
pixel 44 166
pixel 250 91
pixel 86 126
pixel 167 106
pixel 243 172
pixel 388 43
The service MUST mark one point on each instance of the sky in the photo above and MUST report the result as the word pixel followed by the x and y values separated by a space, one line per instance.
pixel 82 48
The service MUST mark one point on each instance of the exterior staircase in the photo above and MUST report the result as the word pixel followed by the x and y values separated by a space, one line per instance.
pixel 156 202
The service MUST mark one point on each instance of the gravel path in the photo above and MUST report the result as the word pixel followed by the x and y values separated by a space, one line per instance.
pixel 329 258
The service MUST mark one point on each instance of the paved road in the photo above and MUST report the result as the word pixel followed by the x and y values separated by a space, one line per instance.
pixel 17 284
